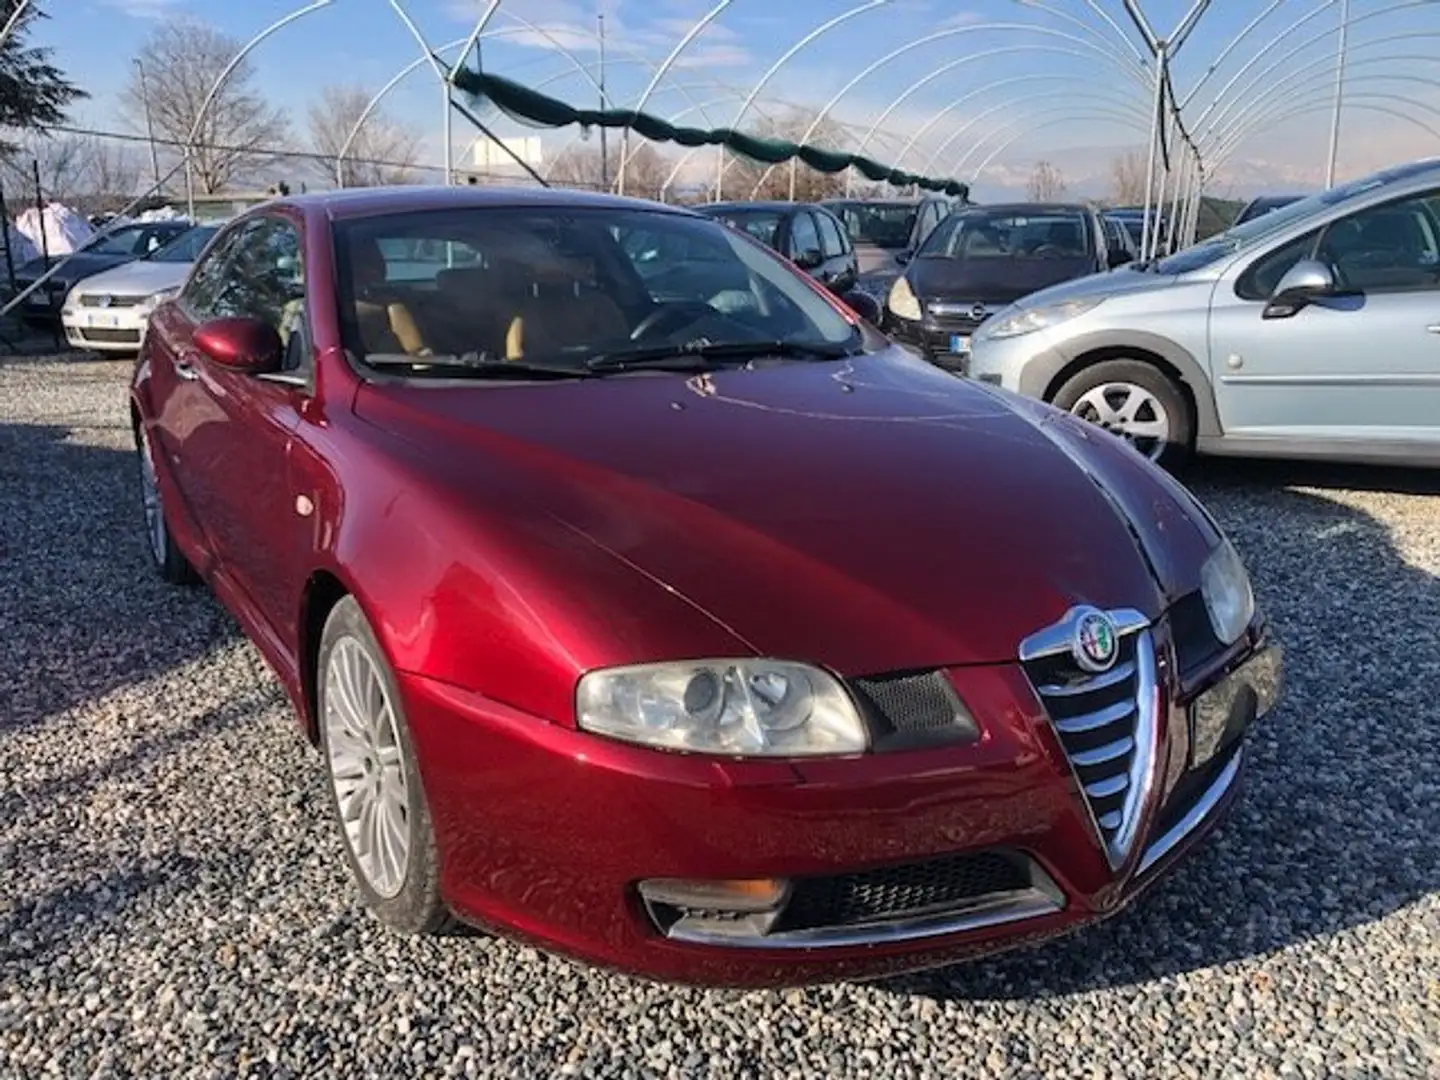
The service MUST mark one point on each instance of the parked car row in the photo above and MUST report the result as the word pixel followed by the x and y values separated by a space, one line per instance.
pixel 599 550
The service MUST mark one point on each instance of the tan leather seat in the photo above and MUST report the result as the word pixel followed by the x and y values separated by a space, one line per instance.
pixel 558 308
pixel 386 326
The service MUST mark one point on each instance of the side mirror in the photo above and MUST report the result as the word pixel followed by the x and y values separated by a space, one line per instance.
pixel 1306 281
pixel 864 305
pixel 904 257
pixel 241 343
pixel 809 259
pixel 1118 256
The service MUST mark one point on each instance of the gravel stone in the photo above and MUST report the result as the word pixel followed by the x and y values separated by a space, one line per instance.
pixel 175 903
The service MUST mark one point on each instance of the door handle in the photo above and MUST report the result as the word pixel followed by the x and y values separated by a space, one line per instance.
pixel 186 370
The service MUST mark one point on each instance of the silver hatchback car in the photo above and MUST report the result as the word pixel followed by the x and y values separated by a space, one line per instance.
pixel 1313 331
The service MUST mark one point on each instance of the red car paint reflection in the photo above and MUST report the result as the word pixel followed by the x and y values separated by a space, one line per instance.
pixel 923 541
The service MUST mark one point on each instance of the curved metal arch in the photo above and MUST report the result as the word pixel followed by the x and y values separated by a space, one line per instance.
pixel 1399 99
pixel 1016 131
pixel 1240 125
pixel 1244 94
pixel 225 73
pixel 684 43
pixel 950 65
pixel 1140 113
pixel 927 39
pixel 1231 47
pixel 10 23
pixel 1320 66
pixel 1318 106
pixel 1021 124
pixel 1040 76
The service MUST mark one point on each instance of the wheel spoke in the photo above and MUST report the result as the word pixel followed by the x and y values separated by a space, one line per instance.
pixel 1148 429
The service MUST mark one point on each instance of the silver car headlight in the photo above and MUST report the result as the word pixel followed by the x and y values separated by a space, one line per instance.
pixel 741 708
pixel 155 299
pixel 1028 320
pixel 902 301
pixel 1229 599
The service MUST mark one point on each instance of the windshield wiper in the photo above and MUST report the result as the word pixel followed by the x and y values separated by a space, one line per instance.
pixel 475 366
pixel 705 355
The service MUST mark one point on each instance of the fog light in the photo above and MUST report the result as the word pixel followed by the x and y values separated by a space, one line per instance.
pixel 740 896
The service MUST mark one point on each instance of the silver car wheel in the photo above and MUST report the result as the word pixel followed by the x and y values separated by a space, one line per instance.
pixel 366 768
pixel 1130 411
pixel 150 499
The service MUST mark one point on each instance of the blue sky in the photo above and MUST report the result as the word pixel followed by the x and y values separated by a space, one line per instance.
pixel 1020 81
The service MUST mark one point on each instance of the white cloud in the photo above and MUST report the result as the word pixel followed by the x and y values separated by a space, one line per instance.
pixel 146 9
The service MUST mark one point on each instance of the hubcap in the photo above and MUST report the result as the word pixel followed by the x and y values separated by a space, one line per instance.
pixel 150 498
pixel 366 769
pixel 1130 411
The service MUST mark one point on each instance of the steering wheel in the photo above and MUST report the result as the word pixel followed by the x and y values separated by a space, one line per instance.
pixel 1049 251
pixel 679 314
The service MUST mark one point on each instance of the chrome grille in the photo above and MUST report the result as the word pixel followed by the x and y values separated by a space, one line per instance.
pixel 104 300
pixel 1105 721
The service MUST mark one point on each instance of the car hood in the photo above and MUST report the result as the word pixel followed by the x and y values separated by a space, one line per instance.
pixel 990 281
pixel 138 278
pixel 78 265
pixel 1125 281
pixel 872 516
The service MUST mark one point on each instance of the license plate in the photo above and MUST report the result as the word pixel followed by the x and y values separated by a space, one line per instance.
pixel 108 322
pixel 960 343
pixel 37 299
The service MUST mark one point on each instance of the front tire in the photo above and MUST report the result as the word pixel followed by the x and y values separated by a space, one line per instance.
pixel 1136 401
pixel 169 560
pixel 375 784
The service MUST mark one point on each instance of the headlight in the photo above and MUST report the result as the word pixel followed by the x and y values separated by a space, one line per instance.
pixel 744 708
pixel 1028 320
pixel 1228 597
pixel 902 302
pixel 155 299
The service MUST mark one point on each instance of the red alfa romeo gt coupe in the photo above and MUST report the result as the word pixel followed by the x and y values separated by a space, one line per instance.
pixel 647 604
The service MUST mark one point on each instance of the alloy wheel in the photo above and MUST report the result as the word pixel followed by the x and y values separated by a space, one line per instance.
pixel 1129 411
pixel 366 767
pixel 150 499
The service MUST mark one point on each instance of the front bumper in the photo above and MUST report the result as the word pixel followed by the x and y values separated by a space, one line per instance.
pixel 547 833
pixel 945 343
pixel 105 329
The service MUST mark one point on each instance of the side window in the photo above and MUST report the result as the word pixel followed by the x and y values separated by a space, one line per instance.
pixel 1259 281
pixel 803 236
pixel 832 240
pixel 1392 247
pixel 264 279
pixel 206 281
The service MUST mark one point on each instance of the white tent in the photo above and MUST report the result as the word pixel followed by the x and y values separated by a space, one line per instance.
pixel 63 229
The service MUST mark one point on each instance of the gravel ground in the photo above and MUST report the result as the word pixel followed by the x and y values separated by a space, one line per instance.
pixel 175 903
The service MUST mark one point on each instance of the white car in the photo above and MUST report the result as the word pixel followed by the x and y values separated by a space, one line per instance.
pixel 108 311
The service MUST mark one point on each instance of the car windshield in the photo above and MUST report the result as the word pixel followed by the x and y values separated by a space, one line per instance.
pixel 119 242
pixel 884 224
pixel 186 247
pixel 1264 205
pixel 763 225
pixel 1010 234
pixel 579 290
pixel 1255 230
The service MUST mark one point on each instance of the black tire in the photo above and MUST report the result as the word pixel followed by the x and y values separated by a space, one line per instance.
pixel 172 564
pixel 1178 446
pixel 417 908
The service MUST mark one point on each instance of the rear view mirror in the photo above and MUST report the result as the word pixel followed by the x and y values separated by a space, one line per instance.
pixel 1306 281
pixel 241 343
pixel 1118 256
pixel 864 305
pixel 809 259
pixel 904 257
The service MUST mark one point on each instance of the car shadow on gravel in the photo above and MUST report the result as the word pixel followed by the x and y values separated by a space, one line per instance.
pixel 1336 826
pixel 82 607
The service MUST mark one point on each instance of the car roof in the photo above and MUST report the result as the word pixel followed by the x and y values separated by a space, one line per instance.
pixel 859 201
pixel 1026 208
pixel 754 204
pixel 367 202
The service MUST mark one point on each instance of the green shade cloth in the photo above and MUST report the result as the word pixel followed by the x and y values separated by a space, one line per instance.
pixel 529 106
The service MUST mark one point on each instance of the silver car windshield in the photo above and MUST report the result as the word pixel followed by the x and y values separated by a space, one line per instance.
pixel 1257 229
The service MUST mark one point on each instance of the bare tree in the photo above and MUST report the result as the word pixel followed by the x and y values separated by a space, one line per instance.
pixel 181 61
pixel 645 169
pixel 114 169
pixel 382 152
pixel 64 162
pixel 1127 176
pixel 1047 183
